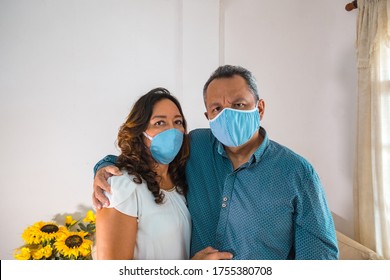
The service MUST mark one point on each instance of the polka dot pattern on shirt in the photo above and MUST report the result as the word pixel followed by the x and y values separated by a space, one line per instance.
pixel 272 207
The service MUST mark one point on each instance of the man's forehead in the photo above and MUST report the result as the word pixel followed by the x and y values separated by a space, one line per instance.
pixel 230 91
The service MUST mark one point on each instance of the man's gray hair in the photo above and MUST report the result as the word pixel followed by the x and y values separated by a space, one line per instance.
pixel 228 71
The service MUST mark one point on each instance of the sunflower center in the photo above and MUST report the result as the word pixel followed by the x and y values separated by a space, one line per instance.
pixel 73 241
pixel 49 228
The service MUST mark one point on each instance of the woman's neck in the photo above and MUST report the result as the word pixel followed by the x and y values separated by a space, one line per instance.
pixel 163 177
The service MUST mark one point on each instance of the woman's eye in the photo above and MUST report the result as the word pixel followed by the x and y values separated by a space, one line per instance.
pixel 179 122
pixel 159 123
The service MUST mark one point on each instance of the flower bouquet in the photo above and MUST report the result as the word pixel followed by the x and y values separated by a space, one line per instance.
pixel 51 241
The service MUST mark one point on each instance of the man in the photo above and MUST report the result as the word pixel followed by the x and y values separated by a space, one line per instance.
pixel 248 195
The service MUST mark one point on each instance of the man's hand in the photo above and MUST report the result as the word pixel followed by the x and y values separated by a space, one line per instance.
pixel 100 185
pixel 209 253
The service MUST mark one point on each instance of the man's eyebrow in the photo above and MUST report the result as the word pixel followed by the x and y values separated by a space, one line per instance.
pixel 240 99
pixel 214 104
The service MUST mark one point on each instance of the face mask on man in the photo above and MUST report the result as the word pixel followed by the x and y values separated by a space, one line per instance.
pixel 234 128
pixel 165 145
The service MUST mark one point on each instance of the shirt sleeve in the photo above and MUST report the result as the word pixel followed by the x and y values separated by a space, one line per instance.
pixel 315 235
pixel 123 196
pixel 107 160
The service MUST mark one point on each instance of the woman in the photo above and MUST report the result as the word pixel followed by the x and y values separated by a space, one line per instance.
pixel 148 217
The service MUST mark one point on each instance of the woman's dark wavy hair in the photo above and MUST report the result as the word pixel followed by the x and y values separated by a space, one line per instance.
pixel 135 156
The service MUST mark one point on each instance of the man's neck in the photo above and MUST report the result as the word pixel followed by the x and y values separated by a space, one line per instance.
pixel 240 155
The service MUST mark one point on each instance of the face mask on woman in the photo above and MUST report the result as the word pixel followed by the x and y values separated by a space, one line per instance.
pixel 234 128
pixel 165 145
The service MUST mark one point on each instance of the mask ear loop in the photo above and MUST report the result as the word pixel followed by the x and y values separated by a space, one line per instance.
pixel 147 136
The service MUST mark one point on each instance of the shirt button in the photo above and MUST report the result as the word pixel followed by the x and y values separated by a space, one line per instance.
pixel 223 205
pixel 225 198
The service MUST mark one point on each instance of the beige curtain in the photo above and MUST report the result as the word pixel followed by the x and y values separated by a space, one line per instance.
pixel 372 188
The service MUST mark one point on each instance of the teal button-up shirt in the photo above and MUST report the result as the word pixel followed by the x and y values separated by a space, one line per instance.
pixel 272 207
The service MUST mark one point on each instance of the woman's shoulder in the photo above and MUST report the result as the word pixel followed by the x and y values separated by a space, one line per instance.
pixel 122 187
pixel 124 178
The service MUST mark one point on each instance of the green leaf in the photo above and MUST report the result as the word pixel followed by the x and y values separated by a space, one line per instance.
pixel 91 227
pixel 83 227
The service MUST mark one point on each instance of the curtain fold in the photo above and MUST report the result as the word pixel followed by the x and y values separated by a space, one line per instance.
pixel 372 186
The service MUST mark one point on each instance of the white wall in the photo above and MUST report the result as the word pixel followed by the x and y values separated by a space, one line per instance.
pixel 70 71
pixel 303 55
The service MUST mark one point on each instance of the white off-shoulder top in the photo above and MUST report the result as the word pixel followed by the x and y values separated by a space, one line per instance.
pixel 164 230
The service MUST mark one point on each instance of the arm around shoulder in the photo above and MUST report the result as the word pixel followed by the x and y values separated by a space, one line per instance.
pixel 104 169
pixel 106 161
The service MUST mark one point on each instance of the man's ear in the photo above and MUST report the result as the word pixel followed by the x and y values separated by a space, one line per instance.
pixel 261 107
pixel 206 115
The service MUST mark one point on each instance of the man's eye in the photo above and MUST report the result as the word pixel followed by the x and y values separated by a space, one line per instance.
pixel 239 105
pixel 216 109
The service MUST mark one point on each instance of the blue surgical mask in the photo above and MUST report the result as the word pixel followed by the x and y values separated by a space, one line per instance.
pixel 165 145
pixel 234 128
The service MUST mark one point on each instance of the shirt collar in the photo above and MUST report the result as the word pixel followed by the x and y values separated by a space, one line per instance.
pixel 261 149
pixel 256 155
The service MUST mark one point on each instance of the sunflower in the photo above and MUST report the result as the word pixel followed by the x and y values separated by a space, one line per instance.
pixel 37 254
pixel 22 253
pixel 69 221
pixel 40 253
pixel 31 235
pixel 53 241
pixel 40 232
pixel 90 217
pixel 73 245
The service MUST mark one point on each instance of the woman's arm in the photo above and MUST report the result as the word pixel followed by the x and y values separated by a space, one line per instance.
pixel 116 234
